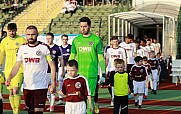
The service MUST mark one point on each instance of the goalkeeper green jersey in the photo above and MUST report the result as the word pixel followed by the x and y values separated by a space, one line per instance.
pixel 87 50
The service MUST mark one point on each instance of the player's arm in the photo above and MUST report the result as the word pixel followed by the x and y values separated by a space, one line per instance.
pixel 124 56
pixel 146 74
pixel 134 49
pixel 60 57
pixel 73 51
pixel 90 103
pixel 102 63
pixel 111 78
pixel 53 70
pixel 106 58
pixel 130 83
pixel 2 54
pixel 101 57
pixel 13 73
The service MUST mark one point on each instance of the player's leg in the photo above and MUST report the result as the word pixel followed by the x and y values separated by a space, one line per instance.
pixel 28 97
pixel 96 107
pixel 129 66
pixel 124 104
pixel 112 99
pixel 146 88
pixel 1 106
pixel 92 85
pixel 60 83
pixel 117 103
pixel 1 86
pixel 39 100
pixel 1 91
pixel 155 77
pixel 51 97
pixel 141 86
pixel 135 88
pixel 16 85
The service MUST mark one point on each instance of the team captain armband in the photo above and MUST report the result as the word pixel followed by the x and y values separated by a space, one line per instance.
pixel 48 57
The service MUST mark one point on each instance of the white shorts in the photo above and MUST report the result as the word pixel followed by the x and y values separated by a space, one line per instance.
pixel 138 87
pixel 75 107
pixel 155 75
pixel 149 78
pixel 49 77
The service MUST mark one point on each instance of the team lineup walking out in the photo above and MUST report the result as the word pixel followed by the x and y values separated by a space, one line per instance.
pixel 127 68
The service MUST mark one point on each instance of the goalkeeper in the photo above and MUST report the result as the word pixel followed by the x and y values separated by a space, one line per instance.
pixel 87 48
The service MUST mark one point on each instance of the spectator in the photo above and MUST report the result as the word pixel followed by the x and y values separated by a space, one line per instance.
pixel 69 7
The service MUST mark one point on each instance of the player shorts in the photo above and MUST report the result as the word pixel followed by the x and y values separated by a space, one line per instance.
pixel 16 81
pixel 155 75
pixel 92 85
pixel 149 78
pixel 49 77
pixel 75 107
pixel 138 86
pixel 35 98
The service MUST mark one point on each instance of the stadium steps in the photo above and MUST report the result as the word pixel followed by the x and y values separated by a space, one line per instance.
pixel 39 14
pixel 66 24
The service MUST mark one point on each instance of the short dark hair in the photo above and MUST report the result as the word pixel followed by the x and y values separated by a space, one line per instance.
pixel 32 27
pixel 50 34
pixel 145 58
pixel 114 38
pixel 64 35
pixel 143 40
pixel 118 61
pixel 86 19
pixel 12 26
pixel 148 39
pixel 137 59
pixel 130 36
pixel 72 63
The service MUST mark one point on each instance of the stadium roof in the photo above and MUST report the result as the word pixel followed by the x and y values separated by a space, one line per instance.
pixel 148 12
pixel 140 18
pixel 163 7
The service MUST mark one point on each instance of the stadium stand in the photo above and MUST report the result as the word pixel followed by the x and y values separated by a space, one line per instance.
pixel 8 11
pixel 39 13
pixel 66 24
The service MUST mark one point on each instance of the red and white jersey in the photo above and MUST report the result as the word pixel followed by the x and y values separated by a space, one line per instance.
pixel 146 50
pixel 154 63
pixel 157 47
pixel 76 89
pixel 138 73
pixel 148 67
pixel 35 65
pixel 140 52
pixel 112 54
pixel 130 50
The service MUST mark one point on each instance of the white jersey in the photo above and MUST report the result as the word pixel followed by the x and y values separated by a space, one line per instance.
pixel 113 54
pixel 152 48
pixel 140 52
pixel 146 50
pixel 35 65
pixel 130 50
pixel 157 47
